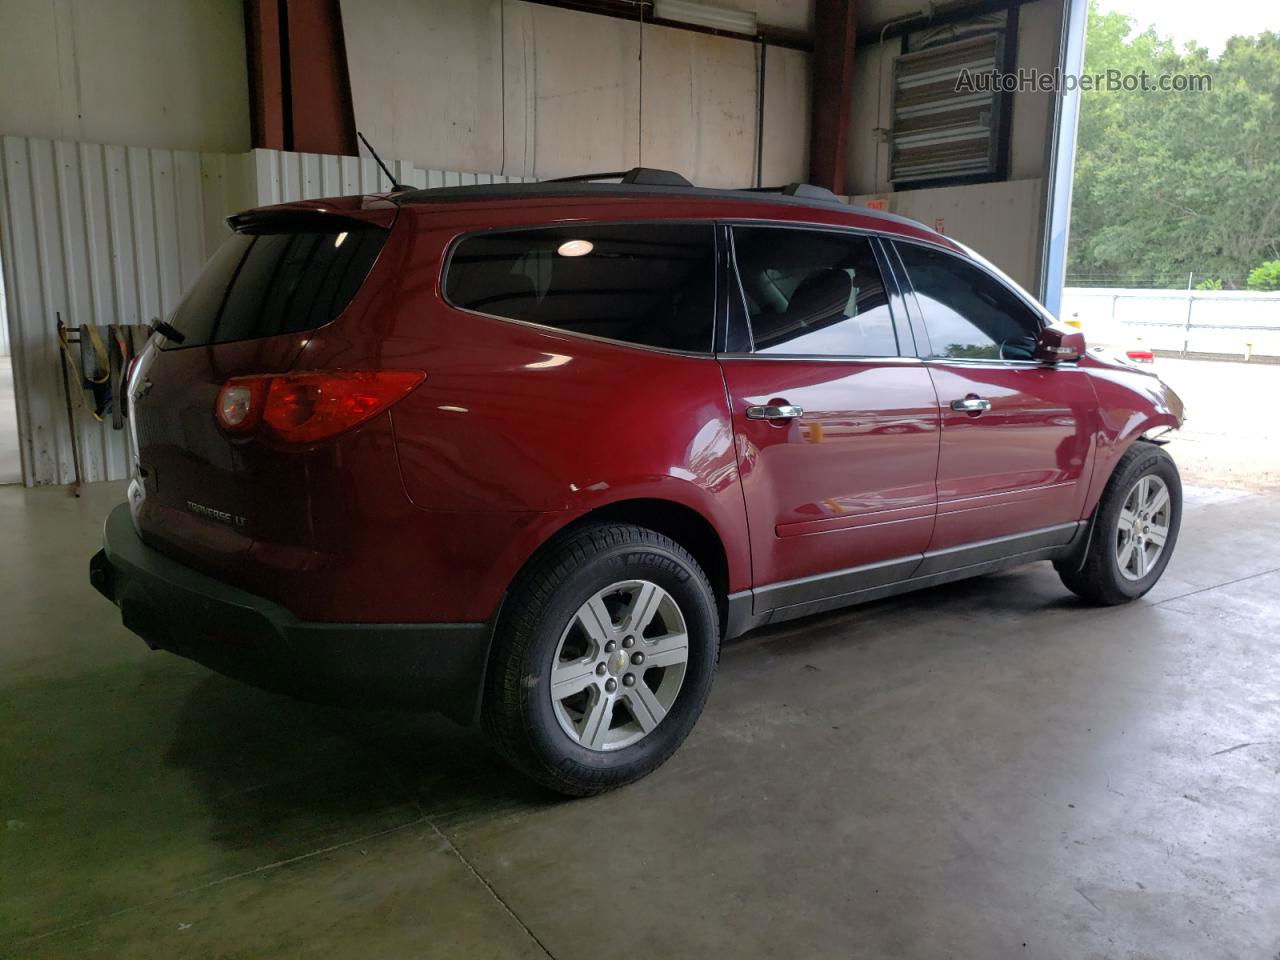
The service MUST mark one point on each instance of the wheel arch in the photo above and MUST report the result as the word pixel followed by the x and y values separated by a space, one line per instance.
pixel 1135 431
pixel 1131 405
pixel 1102 478
pixel 682 523
pixel 685 524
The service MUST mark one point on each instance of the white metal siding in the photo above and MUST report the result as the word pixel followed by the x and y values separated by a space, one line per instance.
pixel 106 234
pixel 100 235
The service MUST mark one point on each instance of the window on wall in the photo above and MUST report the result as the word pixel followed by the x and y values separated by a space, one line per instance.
pixel 948 115
pixel 651 284
pixel 968 314
pixel 814 293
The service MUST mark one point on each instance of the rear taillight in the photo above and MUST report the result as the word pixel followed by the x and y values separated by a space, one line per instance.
pixel 305 408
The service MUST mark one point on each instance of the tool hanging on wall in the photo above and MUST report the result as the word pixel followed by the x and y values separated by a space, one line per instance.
pixel 99 366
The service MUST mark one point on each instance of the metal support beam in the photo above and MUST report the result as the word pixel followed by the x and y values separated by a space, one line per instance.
pixel 1062 159
pixel 957 13
pixel 835 32
pixel 266 78
pixel 299 90
pixel 643 10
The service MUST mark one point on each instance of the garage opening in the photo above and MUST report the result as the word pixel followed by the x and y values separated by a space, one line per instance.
pixel 1174 253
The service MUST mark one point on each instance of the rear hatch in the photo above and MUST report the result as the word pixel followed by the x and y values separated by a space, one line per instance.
pixel 205 494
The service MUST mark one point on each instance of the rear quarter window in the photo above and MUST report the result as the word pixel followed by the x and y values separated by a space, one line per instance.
pixel 647 284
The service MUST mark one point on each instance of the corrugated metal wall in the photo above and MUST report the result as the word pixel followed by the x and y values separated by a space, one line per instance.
pixel 96 234
pixel 280 177
pixel 105 234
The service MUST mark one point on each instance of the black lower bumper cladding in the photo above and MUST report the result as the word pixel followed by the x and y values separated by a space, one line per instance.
pixel 436 666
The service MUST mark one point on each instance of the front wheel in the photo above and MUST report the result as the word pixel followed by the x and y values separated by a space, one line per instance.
pixel 1134 531
pixel 603 660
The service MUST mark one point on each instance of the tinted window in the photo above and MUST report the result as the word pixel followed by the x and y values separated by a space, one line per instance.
pixel 650 284
pixel 814 293
pixel 262 284
pixel 968 312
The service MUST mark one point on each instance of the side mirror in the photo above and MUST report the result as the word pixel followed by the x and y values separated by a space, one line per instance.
pixel 1059 344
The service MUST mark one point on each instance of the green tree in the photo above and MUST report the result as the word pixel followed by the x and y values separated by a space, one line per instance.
pixel 1265 276
pixel 1172 183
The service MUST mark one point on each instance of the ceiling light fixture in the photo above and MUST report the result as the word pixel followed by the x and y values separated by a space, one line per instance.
pixel 575 248
pixel 706 15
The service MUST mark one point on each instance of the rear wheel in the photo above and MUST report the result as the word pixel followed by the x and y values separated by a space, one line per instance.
pixel 603 660
pixel 1134 531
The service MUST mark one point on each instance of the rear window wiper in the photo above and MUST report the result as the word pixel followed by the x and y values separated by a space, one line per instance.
pixel 167 330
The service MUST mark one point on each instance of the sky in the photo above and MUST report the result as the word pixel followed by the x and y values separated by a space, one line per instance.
pixel 1209 25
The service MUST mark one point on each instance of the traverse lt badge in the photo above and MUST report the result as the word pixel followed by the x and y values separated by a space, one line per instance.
pixel 214 514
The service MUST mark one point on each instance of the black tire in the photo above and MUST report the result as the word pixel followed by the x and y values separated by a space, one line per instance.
pixel 1098 579
pixel 518 715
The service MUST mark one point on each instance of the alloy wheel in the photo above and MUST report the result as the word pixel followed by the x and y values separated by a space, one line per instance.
pixel 1143 527
pixel 619 665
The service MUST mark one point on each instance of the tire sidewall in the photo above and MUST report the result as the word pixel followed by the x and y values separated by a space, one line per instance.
pixel 690 591
pixel 1148 462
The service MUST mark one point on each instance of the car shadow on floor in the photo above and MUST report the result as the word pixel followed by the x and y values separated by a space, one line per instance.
pixel 267 765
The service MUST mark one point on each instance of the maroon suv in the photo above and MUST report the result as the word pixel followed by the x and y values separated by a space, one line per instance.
pixel 527 453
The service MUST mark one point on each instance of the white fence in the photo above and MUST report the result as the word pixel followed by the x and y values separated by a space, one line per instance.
pixel 105 234
pixel 1229 322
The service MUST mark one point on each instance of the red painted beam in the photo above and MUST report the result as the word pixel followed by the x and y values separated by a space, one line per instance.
pixel 323 119
pixel 266 80
pixel 299 89
pixel 835 33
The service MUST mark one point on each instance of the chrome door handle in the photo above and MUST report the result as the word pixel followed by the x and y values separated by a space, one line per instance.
pixel 971 405
pixel 784 411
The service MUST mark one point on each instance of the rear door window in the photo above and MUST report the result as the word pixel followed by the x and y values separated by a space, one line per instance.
pixel 813 293
pixel 968 313
pixel 264 283
pixel 651 284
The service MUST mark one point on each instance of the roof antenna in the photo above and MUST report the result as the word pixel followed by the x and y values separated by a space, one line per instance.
pixel 378 160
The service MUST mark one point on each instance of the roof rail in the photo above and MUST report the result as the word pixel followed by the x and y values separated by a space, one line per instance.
pixel 802 191
pixel 808 191
pixel 636 182
pixel 654 177
pixel 640 176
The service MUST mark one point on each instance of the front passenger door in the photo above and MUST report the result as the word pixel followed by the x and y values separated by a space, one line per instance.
pixel 1017 435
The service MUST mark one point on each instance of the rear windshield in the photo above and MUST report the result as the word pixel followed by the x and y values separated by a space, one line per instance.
pixel 262 283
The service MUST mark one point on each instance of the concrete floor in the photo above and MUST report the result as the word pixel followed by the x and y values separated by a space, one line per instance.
pixel 983 770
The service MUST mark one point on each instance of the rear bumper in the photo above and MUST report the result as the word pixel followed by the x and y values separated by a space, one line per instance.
pixel 435 666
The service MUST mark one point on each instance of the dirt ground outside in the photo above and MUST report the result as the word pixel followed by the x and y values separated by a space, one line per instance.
pixel 1231 439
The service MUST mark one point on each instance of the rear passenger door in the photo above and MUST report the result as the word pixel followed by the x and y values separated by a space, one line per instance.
pixel 1017 435
pixel 836 420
